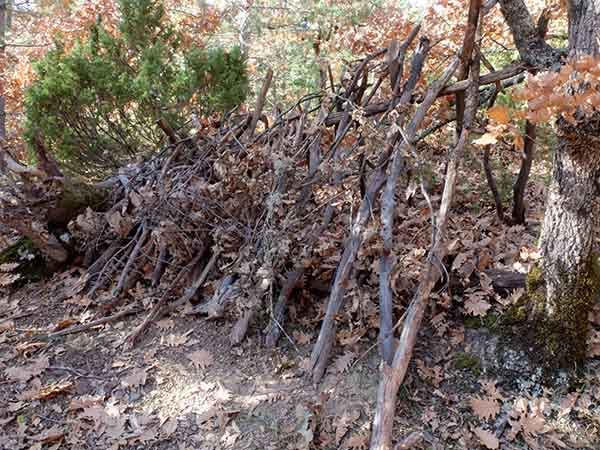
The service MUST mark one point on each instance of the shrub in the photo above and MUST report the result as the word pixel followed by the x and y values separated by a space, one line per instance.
pixel 96 105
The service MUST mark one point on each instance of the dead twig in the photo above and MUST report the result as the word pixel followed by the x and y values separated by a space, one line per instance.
pixel 90 325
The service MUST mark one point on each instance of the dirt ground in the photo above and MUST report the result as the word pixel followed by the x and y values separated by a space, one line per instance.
pixel 185 387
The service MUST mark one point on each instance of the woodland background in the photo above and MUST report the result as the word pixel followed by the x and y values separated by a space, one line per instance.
pixel 321 224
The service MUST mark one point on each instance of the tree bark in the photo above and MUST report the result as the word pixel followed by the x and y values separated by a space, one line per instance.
pixel 568 280
pixel 566 283
pixel 518 212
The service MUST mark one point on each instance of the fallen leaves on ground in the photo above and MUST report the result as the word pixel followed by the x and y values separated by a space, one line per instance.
pixel 201 358
pixel 487 438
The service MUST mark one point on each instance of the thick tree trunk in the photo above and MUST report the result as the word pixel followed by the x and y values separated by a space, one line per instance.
pixel 568 277
pixel 568 271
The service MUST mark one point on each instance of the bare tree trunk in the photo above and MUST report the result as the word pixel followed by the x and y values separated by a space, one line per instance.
pixel 565 285
pixel 568 279
pixel 568 271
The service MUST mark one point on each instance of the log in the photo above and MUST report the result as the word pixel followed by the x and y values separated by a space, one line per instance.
pixel 43 210
pixel 505 281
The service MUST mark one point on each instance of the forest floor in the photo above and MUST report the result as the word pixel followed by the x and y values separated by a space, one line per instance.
pixel 184 386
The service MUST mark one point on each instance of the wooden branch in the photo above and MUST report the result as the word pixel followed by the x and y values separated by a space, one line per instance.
pixel 322 348
pixel 518 212
pixel 465 59
pixel 239 330
pixel 410 441
pixel 416 67
pixel 488 78
pixel 386 314
pixel 277 322
pixel 324 344
pixel 168 130
pixel 46 162
pixel 97 266
pixel 90 325
pixel 395 57
pixel 161 264
pixel 190 292
pixel 127 272
pixel 158 309
pixel 491 180
pixel 388 205
pixel 9 164
pixel 279 311
pixel 216 306
pixel 392 376
pixel 260 102
pixel 28 225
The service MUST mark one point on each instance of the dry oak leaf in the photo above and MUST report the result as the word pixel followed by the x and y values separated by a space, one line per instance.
pixel 7 325
pixel 343 362
pixel 476 306
pixel 357 441
pixel 489 386
pixel 165 324
pixel 136 378
pixel 201 358
pixel 6 279
pixel 9 267
pixel 488 439
pixel 174 340
pixel 343 424
pixel 499 114
pixel 24 373
pixel 486 139
pixel 53 390
pixel 302 338
pixel 485 408
pixel 50 435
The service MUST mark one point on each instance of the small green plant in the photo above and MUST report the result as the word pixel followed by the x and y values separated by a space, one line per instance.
pixel 96 105
pixel 468 361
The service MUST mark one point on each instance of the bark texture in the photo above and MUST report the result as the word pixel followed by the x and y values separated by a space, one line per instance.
pixel 568 270
pixel 569 278
pixel 533 49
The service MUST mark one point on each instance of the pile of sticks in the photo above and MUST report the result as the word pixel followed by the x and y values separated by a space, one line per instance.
pixel 245 206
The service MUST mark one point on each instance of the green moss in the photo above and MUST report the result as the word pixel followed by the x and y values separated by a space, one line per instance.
pixel 535 279
pixel 490 321
pixel 560 336
pixel 464 360
pixel 563 336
